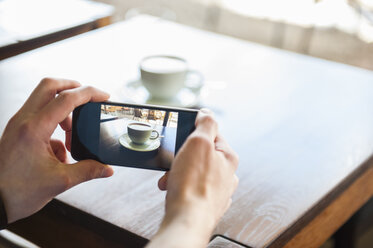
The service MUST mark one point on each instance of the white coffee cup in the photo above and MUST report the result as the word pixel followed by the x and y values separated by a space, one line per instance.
pixel 164 76
pixel 140 132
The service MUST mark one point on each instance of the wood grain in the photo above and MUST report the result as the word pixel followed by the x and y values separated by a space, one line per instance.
pixel 337 213
pixel 301 126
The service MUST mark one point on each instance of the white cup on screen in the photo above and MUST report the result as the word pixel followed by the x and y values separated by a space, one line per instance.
pixel 140 132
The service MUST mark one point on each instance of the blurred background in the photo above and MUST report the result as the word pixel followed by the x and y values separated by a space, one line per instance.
pixel 338 30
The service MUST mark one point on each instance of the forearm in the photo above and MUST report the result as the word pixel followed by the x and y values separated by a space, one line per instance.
pixel 178 235
pixel 184 230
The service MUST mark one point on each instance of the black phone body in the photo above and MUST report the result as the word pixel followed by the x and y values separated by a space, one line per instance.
pixel 140 136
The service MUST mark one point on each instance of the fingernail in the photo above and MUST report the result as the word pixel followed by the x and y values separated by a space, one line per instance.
pixel 107 172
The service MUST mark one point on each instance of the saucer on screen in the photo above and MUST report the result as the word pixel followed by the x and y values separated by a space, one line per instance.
pixel 150 145
pixel 137 93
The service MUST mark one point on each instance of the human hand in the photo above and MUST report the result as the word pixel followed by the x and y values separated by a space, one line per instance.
pixel 33 167
pixel 200 184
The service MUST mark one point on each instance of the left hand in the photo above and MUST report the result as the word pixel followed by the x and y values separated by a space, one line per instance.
pixel 33 167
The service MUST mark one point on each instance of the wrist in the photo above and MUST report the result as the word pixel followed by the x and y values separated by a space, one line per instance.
pixel 185 226
pixel 195 216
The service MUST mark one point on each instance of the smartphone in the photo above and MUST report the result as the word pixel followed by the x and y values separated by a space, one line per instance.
pixel 141 136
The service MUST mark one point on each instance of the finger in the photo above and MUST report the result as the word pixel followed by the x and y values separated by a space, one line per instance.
pixel 222 146
pixel 59 108
pixel 236 181
pixel 46 91
pixel 59 150
pixel 233 189
pixel 206 124
pixel 229 203
pixel 68 140
pixel 162 182
pixel 86 170
pixel 66 125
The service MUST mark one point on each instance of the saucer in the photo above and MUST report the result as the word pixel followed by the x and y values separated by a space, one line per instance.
pixel 134 91
pixel 150 145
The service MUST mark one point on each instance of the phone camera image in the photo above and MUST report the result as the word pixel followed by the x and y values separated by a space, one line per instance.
pixel 130 135
pixel 124 134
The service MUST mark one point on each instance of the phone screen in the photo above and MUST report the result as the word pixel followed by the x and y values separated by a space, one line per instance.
pixel 140 136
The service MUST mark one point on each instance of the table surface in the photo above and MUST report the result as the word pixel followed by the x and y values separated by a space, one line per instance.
pixel 303 127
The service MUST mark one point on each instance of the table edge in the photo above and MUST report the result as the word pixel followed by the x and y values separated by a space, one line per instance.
pixel 286 236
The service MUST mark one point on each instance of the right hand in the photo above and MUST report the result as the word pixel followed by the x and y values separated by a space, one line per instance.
pixel 200 184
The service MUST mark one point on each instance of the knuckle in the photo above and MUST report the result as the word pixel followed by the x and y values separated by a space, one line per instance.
pixel 89 88
pixel 46 80
pixel 64 95
pixel 90 91
pixel 200 141
pixel 67 97
pixel 49 87
pixel 27 130
pixel 209 120
pixel 74 81
pixel 47 83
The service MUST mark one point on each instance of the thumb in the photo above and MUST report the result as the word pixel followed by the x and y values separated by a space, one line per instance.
pixel 162 182
pixel 86 170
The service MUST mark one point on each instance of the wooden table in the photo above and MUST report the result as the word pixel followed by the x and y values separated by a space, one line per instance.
pixel 303 128
pixel 26 25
